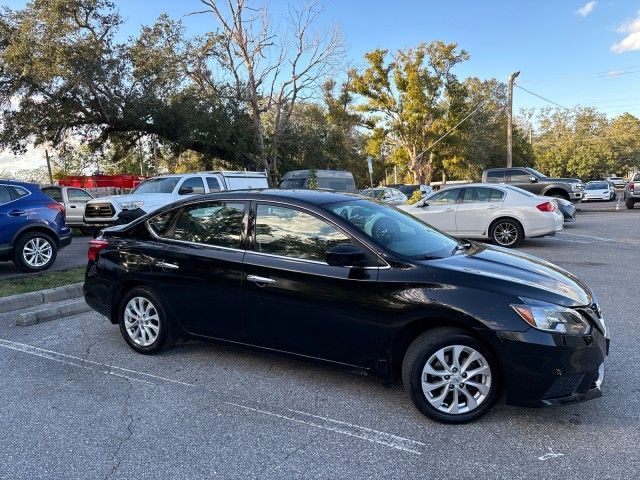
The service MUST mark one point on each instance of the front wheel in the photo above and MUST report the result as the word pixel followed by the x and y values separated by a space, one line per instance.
pixel 34 252
pixel 143 322
pixel 450 376
pixel 506 233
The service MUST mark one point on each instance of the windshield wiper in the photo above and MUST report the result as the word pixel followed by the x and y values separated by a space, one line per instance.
pixel 461 247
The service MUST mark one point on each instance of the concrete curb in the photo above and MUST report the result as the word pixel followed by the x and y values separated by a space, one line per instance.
pixel 39 316
pixel 33 299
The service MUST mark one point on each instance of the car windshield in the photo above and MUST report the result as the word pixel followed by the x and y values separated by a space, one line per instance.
pixel 395 230
pixel 537 173
pixel 157 185
pixel 292 183
pixel 408 189
pixel 375 193
pixel 597 186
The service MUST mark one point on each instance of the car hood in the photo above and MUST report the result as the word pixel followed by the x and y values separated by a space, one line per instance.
pixel 508 271
pixel 151 200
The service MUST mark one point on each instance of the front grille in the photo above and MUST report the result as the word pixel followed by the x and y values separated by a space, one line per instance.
pixel 564 386
pixel 99 210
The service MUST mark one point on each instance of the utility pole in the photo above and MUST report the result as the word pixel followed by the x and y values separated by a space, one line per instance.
pixel 46 155
pixel 511 80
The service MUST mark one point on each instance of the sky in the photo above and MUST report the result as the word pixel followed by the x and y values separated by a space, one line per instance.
pixel 568 51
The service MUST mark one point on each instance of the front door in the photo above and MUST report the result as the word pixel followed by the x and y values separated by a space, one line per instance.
pixel 298 303
pixel 521 178
pixel 197 266
pixel 76 201
pixel 439 210
pixel 478 206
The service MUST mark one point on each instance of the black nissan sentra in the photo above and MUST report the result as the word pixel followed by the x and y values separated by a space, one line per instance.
pixel 348 281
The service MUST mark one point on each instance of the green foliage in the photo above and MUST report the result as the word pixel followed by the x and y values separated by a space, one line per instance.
pixel 414 198
pixel 312 179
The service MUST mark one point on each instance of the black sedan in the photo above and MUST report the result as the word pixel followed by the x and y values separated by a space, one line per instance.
pixel 347 281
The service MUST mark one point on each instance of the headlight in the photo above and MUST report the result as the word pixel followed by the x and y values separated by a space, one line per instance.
pixel 131 205
pixel 576 186
pixel 553 318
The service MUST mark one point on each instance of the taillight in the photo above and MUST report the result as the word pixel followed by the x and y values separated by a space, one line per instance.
pixel 546 207
pixel 56 206
pixel 631 186
pixel 95 246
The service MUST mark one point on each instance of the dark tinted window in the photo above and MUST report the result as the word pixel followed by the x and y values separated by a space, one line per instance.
pixel 217 224
pixel 213 184
pixel 518 175
pixel 160 223
pixel 477 195
pixel 495 176
pixel 637 177
pixel 292 233
pixel 77 195
pixel 195 183
pixel 17 192
pixel 292 183
pixel 340 184
pixel 496 195
pixel 4 195
pixel 53 192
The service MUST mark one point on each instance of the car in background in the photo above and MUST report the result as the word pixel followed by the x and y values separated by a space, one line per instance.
pixel 74 200
pixel 32 226
pixel 338 180
pixel 159 191
pixel 599 190
pixel 535 182
pixel 358 285
pixel 388 195
pixel 409 189
pixel 618 182
pixel 503 214
pixel 567 209
pixel 632 191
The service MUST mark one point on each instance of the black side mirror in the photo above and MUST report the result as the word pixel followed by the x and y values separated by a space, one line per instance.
pixel 185 191
pixel 344 255
pixel 533 179
pixel 424 204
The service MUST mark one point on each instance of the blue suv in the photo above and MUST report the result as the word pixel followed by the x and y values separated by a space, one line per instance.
pixel 32 226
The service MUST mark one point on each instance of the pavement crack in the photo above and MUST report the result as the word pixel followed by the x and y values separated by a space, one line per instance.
pixel 115 457
pixel 299 448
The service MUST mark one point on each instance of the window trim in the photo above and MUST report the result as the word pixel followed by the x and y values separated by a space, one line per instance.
pixel 91 197
pixel 19 198
pixel 184 180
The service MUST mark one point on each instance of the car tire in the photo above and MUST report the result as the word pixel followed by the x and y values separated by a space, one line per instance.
pixel 629 203
pixel 439 396
pixel 141 304
pixel 34 252
pixel 506 232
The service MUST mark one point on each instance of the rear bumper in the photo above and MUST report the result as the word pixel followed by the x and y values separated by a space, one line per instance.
pixel 543 369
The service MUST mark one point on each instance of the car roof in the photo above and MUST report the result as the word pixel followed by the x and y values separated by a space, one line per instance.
pixel 318 197
pixel 6 181
pixel 229 173
pixel 319 173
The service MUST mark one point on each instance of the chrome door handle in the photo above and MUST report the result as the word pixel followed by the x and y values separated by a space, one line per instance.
pixel 448 210
pixel 170 266
pixel 263 280
pixel 17 213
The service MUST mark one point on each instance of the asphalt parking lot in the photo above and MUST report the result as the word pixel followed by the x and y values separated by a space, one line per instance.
pixel 76 402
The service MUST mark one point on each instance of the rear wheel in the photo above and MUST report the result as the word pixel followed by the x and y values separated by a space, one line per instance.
pixel 450 376
pixel 143 322
pixel 629 203
pixel 506 233
pixel 34 252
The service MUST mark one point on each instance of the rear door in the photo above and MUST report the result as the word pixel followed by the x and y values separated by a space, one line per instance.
pixel 12 215
pixel 477 208
pixel 439 211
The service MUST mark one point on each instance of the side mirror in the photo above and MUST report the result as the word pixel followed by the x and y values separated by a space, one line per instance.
pixel 533 180
pixel 424 204
pixel 344 255
pixel 185 191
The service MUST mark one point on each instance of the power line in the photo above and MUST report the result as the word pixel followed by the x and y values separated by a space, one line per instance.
pixel 543 98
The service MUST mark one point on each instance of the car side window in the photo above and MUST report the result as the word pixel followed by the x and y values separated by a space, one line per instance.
pixel 496 195
pixel 519 176
pixel 213 184
pixel 5 196
pixel 214 223
pixel 292 233
pixel 637 177
pixel 53 192
pixel 445 197
pixel 476 195
pixel 495 176
pixel 77 195
pixel 160 223
pixel 17 192
pixel 195 183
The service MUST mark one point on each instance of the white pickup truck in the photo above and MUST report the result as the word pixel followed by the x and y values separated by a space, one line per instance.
pixel 159 191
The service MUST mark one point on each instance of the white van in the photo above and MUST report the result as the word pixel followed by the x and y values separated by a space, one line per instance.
pixel 159 191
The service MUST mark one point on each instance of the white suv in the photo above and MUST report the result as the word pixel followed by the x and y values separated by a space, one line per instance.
pixel 160 191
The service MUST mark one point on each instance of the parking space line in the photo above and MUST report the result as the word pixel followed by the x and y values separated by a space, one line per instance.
pixel 344 428
pixel 592 237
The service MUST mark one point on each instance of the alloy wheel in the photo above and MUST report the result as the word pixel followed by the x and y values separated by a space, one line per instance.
pixel 37 252
pixel 505 233
pixel 141 321
pixel 456 379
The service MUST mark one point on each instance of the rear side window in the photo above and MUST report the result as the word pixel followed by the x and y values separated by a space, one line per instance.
pixel 54 193
pixel 291 233
pixel 5 196
pixel 213 184
pixel 17 192
pixel 160 223
pixel 496 195
pixel 495 176
pixel 477 195
pixel 214 223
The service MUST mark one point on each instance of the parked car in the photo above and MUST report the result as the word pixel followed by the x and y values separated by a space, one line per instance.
pixel 32 226
pixel 358 284
pixel 74 200
pixel 567 209
pixel 338 180
pixel 502 213
pixel 599 190
pixel 632 191
pixel 159 191
pixel 409 189
pixel 535 182
pixel 619 182
pixel 390 196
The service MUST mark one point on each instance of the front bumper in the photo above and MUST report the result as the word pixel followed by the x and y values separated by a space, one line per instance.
pixel 573 195
pixel 542 369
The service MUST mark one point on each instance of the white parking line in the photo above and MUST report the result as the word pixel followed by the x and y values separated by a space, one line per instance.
pixel 368 434
pixel 593 237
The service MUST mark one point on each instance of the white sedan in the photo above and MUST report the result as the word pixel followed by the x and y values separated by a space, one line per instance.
pixel 599 190
pixel 502 213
